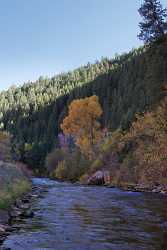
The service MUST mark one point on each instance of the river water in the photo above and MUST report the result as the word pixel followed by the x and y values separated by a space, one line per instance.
pixel 73 217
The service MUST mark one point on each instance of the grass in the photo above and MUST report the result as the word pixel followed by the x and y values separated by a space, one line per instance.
pixel 11 192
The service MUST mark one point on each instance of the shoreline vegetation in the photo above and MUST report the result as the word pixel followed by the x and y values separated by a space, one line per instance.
pixel 17 207
pixel 84 144
pixel 15 186
pixel 133 160
pixel 103 123
pixel 129 84
pixel 14 176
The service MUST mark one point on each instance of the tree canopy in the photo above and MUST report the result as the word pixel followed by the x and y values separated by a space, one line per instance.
pixel 82 123
pixel 154 24
pixel 126 85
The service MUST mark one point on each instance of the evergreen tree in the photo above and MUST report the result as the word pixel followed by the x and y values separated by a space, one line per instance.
pixel 125 85
pixel 154 25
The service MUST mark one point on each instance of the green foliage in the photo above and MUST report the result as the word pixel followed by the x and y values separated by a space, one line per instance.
pixel 71 167
pixel 137 156
pixel 125 85
pixel 53 159
pixel 96 165
pixel 61 172
pixel 154 25
pixel 13 191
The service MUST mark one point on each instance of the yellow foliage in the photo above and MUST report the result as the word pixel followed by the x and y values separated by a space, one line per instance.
pixel 82 123
pixel 153 126
pixel 96 165
pixel 83 179
pixel 150 134
pixel 61 171
pixel 114 141
pixel 3 136
pixel 141 151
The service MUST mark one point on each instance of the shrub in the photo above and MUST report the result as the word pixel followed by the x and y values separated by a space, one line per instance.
pixel 140 154
pixel 13 190
pixel 149 155
pixel 61 172
pixel 72 167
pixel 96 165
pixel 83 179
pixel 53 159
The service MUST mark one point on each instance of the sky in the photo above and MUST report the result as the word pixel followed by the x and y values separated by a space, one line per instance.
pixel 47 37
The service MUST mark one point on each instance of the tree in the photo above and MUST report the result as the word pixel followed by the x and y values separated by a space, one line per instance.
pixel 154 25
pixel 82 123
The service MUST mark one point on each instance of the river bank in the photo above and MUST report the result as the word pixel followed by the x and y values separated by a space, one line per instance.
pixel 15 187
pixel 70 216
pixel 144 188
pixel 19 210
pixel 104 178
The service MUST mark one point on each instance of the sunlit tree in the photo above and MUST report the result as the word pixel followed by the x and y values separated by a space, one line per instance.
pixel 82 123
pixel 154 24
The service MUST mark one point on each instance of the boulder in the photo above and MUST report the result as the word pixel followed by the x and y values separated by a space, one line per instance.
pixel 100 177
pixel 107 177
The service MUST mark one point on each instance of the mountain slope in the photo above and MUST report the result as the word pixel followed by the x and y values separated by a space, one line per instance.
pixel 126 85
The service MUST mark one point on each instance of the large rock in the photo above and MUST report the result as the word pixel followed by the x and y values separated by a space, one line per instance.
pixel 100 177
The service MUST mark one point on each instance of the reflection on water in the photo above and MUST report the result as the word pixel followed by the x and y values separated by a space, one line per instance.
pixel 69 217
pixel 83 212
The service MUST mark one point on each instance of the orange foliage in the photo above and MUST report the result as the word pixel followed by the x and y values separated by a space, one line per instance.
pixel 141 151
pixel 150 135
pixel 82 123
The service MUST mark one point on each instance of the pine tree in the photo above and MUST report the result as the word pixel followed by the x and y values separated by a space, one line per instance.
pixel 154 25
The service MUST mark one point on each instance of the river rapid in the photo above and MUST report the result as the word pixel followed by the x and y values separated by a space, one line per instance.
pixel 74 217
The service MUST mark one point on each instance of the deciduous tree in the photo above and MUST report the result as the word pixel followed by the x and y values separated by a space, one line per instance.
pixel 82 123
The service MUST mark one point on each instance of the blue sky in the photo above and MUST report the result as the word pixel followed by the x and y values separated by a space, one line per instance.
pixel 46 37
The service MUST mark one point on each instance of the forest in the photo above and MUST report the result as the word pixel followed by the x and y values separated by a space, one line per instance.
pixel 126 85
pixel 83 155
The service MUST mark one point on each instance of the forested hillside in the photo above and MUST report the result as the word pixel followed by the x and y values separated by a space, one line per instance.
pixel 125 85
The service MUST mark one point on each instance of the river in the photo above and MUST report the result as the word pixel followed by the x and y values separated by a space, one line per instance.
pixel 74 217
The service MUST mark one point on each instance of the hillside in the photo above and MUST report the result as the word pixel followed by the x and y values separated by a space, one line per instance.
pixel 126 85
pixel 13 176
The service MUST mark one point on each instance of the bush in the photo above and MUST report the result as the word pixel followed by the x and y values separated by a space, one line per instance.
pixel 61 172
pixel 72 167
pixel 83 179
pixel 13 182
pixel 13 191
pixel 137 156
pixel 140 154
pixel 96 165
pixel 53 159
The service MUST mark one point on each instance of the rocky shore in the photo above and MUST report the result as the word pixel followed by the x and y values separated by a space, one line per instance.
pixel 103 177
pixel 19 210
pixel 161 189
